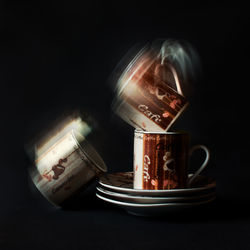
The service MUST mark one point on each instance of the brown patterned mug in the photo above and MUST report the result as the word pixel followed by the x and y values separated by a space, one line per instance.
pixel 161 160
pixel 145 99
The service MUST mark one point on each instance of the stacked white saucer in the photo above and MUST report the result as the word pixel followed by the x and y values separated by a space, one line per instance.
pixel 118 189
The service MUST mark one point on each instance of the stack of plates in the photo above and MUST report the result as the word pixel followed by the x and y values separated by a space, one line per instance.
pixel 118 189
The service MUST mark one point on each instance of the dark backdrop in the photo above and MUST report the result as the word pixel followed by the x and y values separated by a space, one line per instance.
pixel 59 55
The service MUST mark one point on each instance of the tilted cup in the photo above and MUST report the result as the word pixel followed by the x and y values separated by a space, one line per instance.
pixel 144 99
pixel 161 160
pixel 65 162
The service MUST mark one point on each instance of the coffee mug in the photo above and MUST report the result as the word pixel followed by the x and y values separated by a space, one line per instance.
pixel 146 99
pixel 64 164
pixel 161 160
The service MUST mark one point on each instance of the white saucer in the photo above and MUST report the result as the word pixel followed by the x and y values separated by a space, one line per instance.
pixel 123 183
pixel 154 209
pixel 151 200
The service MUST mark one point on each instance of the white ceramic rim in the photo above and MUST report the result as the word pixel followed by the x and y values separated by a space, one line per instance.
pixel 122 195
pixel 130 204
pixel 161 132
pixel 139 54
pixel 93 162
pixel 161 191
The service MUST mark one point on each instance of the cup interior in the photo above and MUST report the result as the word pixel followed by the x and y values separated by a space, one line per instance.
pixel 90 152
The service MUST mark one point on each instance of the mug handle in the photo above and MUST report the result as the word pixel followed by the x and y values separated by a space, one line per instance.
pixel 163 56
pixel 204 164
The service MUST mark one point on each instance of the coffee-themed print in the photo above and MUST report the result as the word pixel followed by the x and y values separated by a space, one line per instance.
pixel 149 96
pixel 143 92
pixel 164 163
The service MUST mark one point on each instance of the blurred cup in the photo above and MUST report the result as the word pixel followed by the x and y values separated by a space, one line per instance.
pixel 64 162
pixel 144 99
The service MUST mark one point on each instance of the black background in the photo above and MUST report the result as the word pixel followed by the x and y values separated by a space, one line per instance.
pixel 59 55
